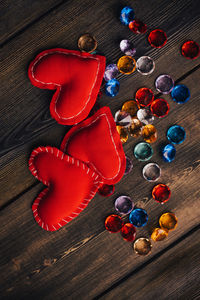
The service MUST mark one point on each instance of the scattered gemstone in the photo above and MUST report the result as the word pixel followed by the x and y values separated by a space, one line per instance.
pixel 145 116
pixel 180 94
pixel 145 65
pixel 113 223
pixel 161 193
pixel 111 72
pixel 124 205
pixel 159 234
pixel 127 47
pixel 168 153
pixel 126 64
pixel 143 151
pixel 123 118
pixel 190 50
pixel 130 107
pixel 149 133
pixel 138 217
pixel 137 26
pixel 128 232
pixel 112 87
pixel 123 133
pixel 106 190
pixel 164 84
pixel 160 108
pixel 129 166
pixel 127 14
pixel 176 134
pixel 144 96
pixel 168 221
pixel 135 129
pixel 87 43
pixel 142 246
pixel 157 38
pixel 151 172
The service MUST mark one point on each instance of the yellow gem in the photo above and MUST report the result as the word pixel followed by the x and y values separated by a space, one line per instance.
pixel 149 133
pixel 130 107
pixel 168 221
pixel 135 129
pixel 159 234
pixel 126 64
pixel 123 133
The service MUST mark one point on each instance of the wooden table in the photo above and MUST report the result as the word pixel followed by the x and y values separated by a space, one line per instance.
pixel 82 260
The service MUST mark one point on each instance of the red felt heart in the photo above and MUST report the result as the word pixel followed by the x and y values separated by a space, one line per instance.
pixel 71 186
pixel 97 142
pixel 76 76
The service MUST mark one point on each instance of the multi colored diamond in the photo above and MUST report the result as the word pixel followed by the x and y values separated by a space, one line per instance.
pixel 127 47
pixel 130 107
pixel 129 166
pixel 142 246
pixel 168 221
pixel 87 43
pixel 159 234
pixel 145 65
pixel 164 84
pixel 160 108
pixel 111 72
pixel 190 49
pixel 135 129
pixel 149 133
pixel 157 38
pixel 138 217
pixel 106 190
pixel 124 205
pixel 112 87
pixel 144 96
pixel 123 133
pixel 180 94
pixel 143 151
pixel 145 116
pixel 137 26
pixel 127 14
pixel 128 232
pixel 176 134
pixel 123 118
pixel 151 172
pixel 161 193
pixel 113 223
pixel 126 64
pixel 168 153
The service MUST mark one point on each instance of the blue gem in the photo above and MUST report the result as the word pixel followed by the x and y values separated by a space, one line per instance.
pixel 112 87
pixel 143 151
pixel 168 153
pixel 176 134
pixel 180 93
pixel 127 15
pixel 138 217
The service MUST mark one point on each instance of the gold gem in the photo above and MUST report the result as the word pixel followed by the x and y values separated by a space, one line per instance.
pixel 126 64
pixel 130 107
pixel 123 133
pixel 149 133
pixel 142 246
pixel 135 129
pixel 168 221
pixel 87 43
pixel 159 234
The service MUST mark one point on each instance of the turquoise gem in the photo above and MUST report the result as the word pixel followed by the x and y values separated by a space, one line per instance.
pixel 180 93
pixel 176 134
pixel 112 87
pixel 168 153
pixel 143 151
pixel 127 15
pixel 138 217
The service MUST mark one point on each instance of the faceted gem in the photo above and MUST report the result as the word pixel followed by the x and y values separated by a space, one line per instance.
pixel 87 43
pixel 168 153
pixel 145 116
pixel 168 221
pixel 145 65
pixel 135 129
pixel 143 151
pixel 164 84
pixel 144 96
pixel 127 47
pixel 149 133
pixel 127 14
pixel 106 190
pixel 126 64
pixel 151 172
pixel 128 232
pixel 111 72
pixel 157 38
pixel 190 50
pixel 138 217
pixel 159 234
pixel 124 205
pixel 123 118
pixel 129 166
pixel 130 107
pixel 180 94
pixel 160 108
pixel 142 246
pixel 176 134
pixel 161 193
pixel 112 87
pixel 113 223
pixel 123 133
pixel 137 26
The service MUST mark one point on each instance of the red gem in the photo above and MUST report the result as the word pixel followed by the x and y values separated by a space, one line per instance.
pixel 157 38
pixel 190 50
pixel 161 193
pixel 144 96
pixel 159 108
pixel 137 26
pixel 128 232
pixel 113 223
pixel 106 190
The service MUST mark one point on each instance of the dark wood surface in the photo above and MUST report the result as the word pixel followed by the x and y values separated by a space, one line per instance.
pixel 82 260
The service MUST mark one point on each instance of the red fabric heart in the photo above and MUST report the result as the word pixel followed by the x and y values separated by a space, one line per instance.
pixel 76 76
pixel 97 142
pixel 71 186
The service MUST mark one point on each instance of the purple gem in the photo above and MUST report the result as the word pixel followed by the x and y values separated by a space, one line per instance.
pixel 164 84
pixel 129 166
pixel 124 205
pixel 127 47
pixel 111 72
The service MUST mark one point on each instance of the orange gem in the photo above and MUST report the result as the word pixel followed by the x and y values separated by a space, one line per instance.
pixel 168 221
pixel 149 133
pixel 159 234
pixel 130 107
pixel 123 133
pixel 126 64
pixel 135 129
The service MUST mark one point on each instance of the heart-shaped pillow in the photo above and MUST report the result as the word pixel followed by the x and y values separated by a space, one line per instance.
pixel 76 76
